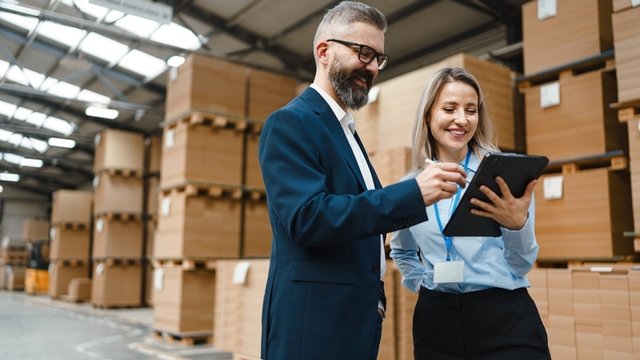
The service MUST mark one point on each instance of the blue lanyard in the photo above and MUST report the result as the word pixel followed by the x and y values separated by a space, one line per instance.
pixel 448 240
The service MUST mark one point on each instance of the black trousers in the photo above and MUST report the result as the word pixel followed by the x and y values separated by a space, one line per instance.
pixel 494 324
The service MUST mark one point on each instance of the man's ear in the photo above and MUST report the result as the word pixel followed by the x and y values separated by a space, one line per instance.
pixel 322 52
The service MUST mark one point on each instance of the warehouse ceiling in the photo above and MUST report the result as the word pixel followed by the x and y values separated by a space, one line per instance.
pixel 58 58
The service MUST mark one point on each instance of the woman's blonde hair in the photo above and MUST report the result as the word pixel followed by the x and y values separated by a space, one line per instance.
pixel 424 144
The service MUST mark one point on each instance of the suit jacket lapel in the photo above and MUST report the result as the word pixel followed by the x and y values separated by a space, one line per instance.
pixel 335 129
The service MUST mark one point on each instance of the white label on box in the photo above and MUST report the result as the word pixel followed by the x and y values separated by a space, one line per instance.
pixel 168 139
pixel 52 233
pixel 240 272
pixel 601 269
pixel 96 139
pixel 550 95
pixel 51 268
pixel 100 225
pixel 96 181
pixel 166 206
pixel 552 187
pixel 100 269
pixel 547 9
pixel 158 279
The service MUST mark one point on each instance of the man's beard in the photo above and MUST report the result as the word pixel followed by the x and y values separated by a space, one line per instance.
pixel 353 96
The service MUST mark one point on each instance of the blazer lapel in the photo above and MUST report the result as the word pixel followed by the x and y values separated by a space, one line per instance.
pixel 329 119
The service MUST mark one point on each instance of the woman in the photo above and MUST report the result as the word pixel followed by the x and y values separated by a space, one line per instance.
pixel 473 302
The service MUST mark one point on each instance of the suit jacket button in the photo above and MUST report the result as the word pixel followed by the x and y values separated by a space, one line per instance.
pixel 375 268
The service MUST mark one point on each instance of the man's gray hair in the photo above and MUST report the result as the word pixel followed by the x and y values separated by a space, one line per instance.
pixel 336 21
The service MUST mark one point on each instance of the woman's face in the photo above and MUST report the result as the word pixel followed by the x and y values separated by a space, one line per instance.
pixel 454 120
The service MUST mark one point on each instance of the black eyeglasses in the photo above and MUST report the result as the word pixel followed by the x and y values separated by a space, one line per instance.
pixel 366 54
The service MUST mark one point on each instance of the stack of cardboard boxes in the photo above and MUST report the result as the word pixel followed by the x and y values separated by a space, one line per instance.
pixel 626 36
pixel 582 211
pixel 211 203
pixel 14 255
pixel 117 251
pixel 70 239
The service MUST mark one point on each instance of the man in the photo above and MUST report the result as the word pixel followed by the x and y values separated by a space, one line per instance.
pixel 324 297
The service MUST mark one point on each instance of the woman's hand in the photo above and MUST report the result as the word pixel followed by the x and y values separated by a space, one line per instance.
pixel 507 210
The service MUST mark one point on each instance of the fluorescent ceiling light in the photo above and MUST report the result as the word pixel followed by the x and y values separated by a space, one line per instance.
pixel 63 143
pixel 175 61
pixel 64 89
pixel 37 163
pixel 143 64
pixel 9 177
pixel 101 112
pixel 60 126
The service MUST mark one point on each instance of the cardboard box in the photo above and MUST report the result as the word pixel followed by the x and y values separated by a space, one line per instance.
pixel 80 289
pixel 398 99
pixel 15 277
pixel 197 226
pixel 392 164
pixel 206 84
pixel 257 229
pixel 201 153
pixel 152 187
pixel 268 92
pixel 626 34
pixel 620 5
pixel 33 230
pixel 175 308
pixel 634 168
pixel 117 194
pixel 116 284
pixel 119 150
pixel 60 275
pixel 114 237
pixel 238 305
pixel 599 203
pixel 253 173
pixel 581 124
pixel 71 206
pixel 580 29
pixel 70 243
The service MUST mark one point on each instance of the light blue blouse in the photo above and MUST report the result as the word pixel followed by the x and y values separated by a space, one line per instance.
pixel 489 262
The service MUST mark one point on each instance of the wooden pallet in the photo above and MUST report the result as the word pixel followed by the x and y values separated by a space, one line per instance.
pixel 72 225
pixel 613 160
pixel 120 216
pixel 208 189
pixel 186 264
pixel 117 306
pixel 212 119
pixel 628 111
pixel 186 339
pixel 604 62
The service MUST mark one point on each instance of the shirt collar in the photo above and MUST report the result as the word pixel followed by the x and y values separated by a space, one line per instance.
pixel 337 110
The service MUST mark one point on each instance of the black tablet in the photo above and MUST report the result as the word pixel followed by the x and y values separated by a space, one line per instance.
pixel 516 169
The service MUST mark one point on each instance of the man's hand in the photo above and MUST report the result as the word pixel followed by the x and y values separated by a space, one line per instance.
pixel 440 181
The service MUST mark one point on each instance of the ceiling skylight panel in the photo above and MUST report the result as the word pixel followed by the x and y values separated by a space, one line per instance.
pixel 3 67
pixel 16 75
pixel 103 48
pixel 63 34
pixel 143 64
pixel 137 25
pixel 176 35
pixel 5 135
pixel 64 89
pixel 94 97
pixel 58 125
pixel 36 119
pixel 7 109
pixel 34 144
pixel 94 10
pixel 22 114
pixel 26 22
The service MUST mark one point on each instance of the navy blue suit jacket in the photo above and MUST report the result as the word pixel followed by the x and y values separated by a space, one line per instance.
pixel 323 286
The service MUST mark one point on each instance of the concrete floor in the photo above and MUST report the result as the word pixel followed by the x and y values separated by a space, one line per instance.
pixel 37 327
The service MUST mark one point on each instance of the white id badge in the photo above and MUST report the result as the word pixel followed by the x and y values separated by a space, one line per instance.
pixel 448 272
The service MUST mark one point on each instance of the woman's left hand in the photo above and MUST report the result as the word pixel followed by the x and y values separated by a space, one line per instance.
pixel 509 211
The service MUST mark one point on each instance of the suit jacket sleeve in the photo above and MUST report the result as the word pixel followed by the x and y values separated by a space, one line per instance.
pixel 312 194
